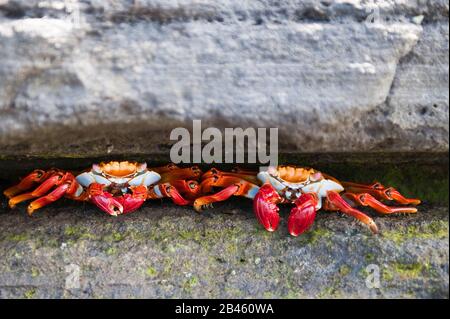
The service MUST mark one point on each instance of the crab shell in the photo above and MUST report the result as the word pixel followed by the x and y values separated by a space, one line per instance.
pixel 291 182
pixel 120 174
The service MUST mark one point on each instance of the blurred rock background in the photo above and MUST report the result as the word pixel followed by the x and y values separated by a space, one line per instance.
pixel 89 78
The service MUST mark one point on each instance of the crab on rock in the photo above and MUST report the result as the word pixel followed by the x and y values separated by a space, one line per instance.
pixel 115 187
pixel 308 189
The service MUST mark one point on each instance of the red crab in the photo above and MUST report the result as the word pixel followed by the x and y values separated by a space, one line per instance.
pixel 115 187
pixel 308 189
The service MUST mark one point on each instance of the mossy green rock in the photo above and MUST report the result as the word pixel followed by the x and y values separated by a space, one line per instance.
pixel 72 250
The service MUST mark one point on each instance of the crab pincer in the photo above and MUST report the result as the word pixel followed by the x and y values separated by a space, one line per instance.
pixel 266 210
pixel 265 207
pixel 303 214
pixel 105 200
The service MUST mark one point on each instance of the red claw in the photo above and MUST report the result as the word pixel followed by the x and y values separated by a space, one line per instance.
pixel 303 214
pixel 107 203
pixel 132 202
pixel 129 203
pixel 265 207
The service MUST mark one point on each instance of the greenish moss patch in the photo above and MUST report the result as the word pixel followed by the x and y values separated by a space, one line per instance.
pixel 30 293
pixel 151 272
pixel 17 237
pixel 111 251
pixel 434 230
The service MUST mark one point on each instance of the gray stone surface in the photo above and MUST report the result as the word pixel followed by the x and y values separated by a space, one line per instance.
pixel 321 71
pixel 168 251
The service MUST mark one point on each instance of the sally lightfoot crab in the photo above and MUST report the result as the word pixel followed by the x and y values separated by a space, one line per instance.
pixel 308 189
pixel 115 187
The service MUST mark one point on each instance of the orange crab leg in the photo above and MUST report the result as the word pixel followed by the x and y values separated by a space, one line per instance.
pixel 379 191
pixel 25 184
pixel 19 199
pixel 395 195
pixel 224 194
pixel 180 174
pixel 188 188
pixel 336 202
pixel 41 190
pixel 166 190
pixel 56 194
pixel 365 199
pixel 176 197
pixel 221 180
pixel 233 186
pixel 249 177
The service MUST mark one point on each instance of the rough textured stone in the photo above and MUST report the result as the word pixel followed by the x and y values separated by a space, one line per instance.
pixel 322 72
pixel 168 251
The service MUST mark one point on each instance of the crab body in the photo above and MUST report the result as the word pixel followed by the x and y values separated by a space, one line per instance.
pixel 293 182
pixel 115 187
pixel 129 175
pixel 122 187
pixel 307 189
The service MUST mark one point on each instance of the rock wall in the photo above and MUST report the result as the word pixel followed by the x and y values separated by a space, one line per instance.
pixel 91 77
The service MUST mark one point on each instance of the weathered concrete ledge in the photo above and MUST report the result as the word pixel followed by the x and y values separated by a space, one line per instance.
pixel 331 75
pixel 165 251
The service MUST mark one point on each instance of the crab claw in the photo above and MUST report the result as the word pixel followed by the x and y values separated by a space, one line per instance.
pixel 107 203
pixel 265 207
pixel 129 203
pixel 302 215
